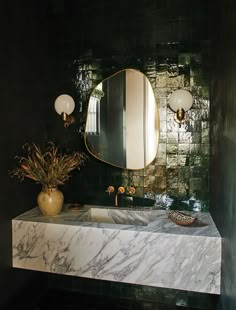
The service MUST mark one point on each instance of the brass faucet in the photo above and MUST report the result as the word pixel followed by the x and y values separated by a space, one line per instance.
pixel 121 190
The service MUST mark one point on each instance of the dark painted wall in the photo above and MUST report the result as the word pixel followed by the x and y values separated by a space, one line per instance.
pixel 28 82
pixel 134 25
pixel 223 143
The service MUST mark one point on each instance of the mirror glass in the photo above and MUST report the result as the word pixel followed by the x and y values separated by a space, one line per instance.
pixel 122 127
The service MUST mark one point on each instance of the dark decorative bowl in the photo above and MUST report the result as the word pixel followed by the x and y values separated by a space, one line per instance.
pixel 181 218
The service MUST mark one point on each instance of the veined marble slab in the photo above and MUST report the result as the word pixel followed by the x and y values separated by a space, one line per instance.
pixel 152 251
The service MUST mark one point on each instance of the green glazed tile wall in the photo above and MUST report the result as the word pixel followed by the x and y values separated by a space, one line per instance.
pixel 180 170
pixel 178 177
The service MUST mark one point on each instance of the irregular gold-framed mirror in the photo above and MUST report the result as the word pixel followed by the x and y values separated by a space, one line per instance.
pixel 122 126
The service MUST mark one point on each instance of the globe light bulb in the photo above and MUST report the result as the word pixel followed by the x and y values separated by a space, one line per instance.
pixel 180 99
pixel 64 104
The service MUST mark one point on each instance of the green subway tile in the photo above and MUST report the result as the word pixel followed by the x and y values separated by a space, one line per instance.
pixel 172 127
pixel 205 125
pixel 195 149
pixel 160 184
pixel 195 183
pixel 183 149
pixel 196 126
pixel 205 137
pixel 195 172
pixel 205 104
pixel 162 102
pixel 162 137
pixel 149 170
pixel 183 160
pixel 205 149
pixel 175 82
pixel 172 182
pixel 195 137
pixel 162 114
pixel 195 114
pixel 205 115
pixel 160 171
pixel 172 172
pixel 171 148
pixel 173 192
pixel 183 189
pixel 205 161
pixel 195 160
pixel 183 173
pixel 184 137
pixel 163 127
pixel 172 138
pixel 161 81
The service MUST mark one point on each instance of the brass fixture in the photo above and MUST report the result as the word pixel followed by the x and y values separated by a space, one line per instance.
pixel 67 119
pixel 180 116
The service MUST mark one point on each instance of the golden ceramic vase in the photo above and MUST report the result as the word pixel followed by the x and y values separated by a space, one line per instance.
pixel 50 201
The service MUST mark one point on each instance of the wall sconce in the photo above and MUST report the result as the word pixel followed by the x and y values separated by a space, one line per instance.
pixel 64 106
pixel 180 101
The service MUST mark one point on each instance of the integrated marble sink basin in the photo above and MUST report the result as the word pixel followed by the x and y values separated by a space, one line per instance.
pixel 114 216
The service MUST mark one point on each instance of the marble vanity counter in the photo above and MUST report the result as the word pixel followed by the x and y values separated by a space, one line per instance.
pixel 141 246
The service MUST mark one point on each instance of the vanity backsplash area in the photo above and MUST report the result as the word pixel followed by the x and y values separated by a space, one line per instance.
pixel 178 177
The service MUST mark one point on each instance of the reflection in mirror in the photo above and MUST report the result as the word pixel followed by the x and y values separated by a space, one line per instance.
pixel 122 127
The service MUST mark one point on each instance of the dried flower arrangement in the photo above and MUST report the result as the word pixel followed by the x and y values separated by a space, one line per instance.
pixel 49 167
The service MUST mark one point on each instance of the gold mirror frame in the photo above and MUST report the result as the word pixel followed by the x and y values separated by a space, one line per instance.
pixel 122 126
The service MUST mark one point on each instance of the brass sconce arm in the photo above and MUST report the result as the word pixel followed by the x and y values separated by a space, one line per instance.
pixel 67 119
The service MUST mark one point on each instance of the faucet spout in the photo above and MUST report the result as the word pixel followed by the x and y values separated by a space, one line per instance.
pixel 116 200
